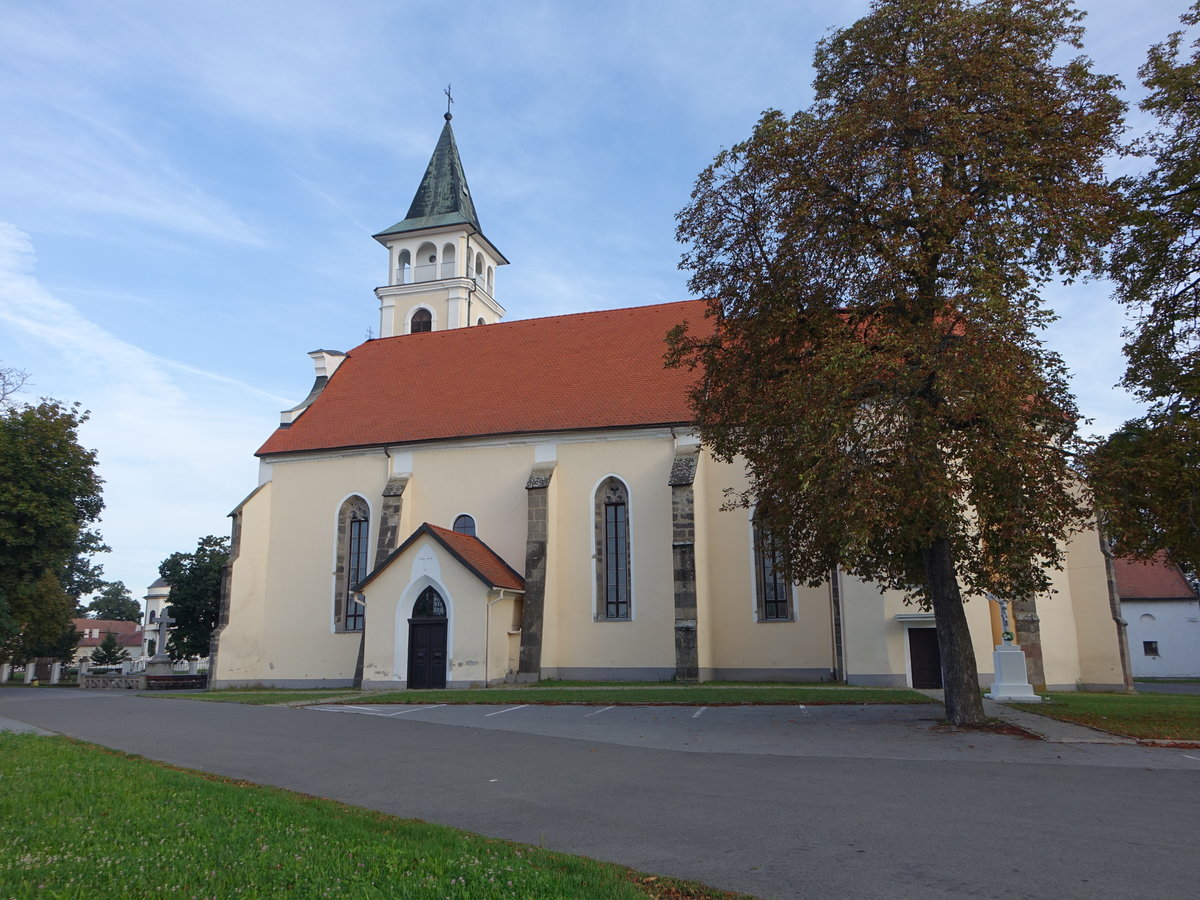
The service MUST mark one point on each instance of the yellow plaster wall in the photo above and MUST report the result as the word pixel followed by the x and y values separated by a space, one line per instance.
pixel 240 651
pixel 1099 651
pixel 487 483
pixel 299 641
pixel 648 640
pixel 739 641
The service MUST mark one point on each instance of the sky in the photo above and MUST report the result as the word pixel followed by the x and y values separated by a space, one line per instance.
pixel 188 192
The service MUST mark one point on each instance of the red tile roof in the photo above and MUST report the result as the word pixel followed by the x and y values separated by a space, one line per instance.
pixel 562 373
pixel 474 554
pixel 1153 580
pixel 129 634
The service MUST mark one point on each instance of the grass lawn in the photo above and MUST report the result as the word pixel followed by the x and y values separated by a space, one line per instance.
pixel 1149 716
pixel 613 694
pixel 80 821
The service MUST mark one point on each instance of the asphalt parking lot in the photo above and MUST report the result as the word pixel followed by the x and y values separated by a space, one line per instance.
pixel 912 732
pixel 778 802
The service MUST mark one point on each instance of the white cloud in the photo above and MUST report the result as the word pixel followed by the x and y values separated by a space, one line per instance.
pixel 174 441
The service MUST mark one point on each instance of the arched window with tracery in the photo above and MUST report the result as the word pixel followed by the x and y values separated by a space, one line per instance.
pixel 429 605
pixel 353 542
pixel 613 565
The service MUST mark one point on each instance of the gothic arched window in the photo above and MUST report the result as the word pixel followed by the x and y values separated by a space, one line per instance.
pixel 429 605
pixel 612 551
pixel 353 532
pixel 772 587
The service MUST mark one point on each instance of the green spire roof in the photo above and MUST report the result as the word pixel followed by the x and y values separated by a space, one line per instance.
pixel 443 197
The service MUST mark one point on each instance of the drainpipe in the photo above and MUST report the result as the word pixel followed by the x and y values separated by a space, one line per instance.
pixel 487 635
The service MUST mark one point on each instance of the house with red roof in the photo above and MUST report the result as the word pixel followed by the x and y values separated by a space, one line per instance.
pixel 93 632
pixel 466 500
pixel 1163 613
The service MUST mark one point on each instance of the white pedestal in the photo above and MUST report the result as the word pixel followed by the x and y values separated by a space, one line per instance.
pixel 55 672
pixel 1012 681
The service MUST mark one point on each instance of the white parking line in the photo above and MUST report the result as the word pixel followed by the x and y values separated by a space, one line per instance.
pixel 598 711
pixel 696 714
pixel 343 709
pixel 416 709
pixel 1196 758
pixel 510 709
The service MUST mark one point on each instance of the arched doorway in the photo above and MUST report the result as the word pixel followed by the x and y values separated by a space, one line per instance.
pixel 427 641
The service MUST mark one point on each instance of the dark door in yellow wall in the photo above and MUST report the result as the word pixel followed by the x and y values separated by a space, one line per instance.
pixel 925 658
pixel 426 653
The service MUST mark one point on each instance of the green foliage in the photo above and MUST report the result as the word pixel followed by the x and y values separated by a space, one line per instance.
pixel 49 493
pixel 81 576
pixel 195 598
pixel 109 653
pixel 1147 475
pixel 115 602
pixel 144 830
pixel 874 265
pixel 1146 478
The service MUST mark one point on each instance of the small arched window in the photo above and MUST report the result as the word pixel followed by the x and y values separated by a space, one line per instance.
pixel 448 261
pixel 403 267
pixel 481 322
pixel 425 268
pixel 429 605
pixel 464 524
pixel 422 320
pixel 612 551
pixel 479 265
pixel 152 618
pixel 489 279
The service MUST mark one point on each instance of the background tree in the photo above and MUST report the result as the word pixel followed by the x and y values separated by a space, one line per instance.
pixel 82 575
pixel 49 494
pixel 109 653
pixel 1146 476
pixel 115 602
pixel 11 382
pixel 873 264
pixel 195 598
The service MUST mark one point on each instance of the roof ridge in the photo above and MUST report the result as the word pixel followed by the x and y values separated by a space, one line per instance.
pixel 514 322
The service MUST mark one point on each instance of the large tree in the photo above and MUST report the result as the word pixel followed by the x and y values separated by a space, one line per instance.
pixel 49 494
pixel 195 598
pixel 874 265
pixel 1147 475
pixel 115 602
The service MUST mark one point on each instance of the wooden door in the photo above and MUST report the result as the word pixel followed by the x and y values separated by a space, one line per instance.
pixel 925 658
pixel 426 653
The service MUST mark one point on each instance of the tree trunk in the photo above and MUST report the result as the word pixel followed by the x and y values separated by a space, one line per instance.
pixel 960 678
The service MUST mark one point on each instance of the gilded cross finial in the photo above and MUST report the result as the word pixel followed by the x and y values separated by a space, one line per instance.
pixel 449 100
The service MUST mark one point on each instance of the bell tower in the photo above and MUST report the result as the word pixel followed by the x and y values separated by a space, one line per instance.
pixel 441 269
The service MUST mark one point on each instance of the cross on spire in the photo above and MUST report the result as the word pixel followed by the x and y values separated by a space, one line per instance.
pixel 449 100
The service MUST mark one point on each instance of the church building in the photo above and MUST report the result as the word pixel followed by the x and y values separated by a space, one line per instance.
pixel 465 500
